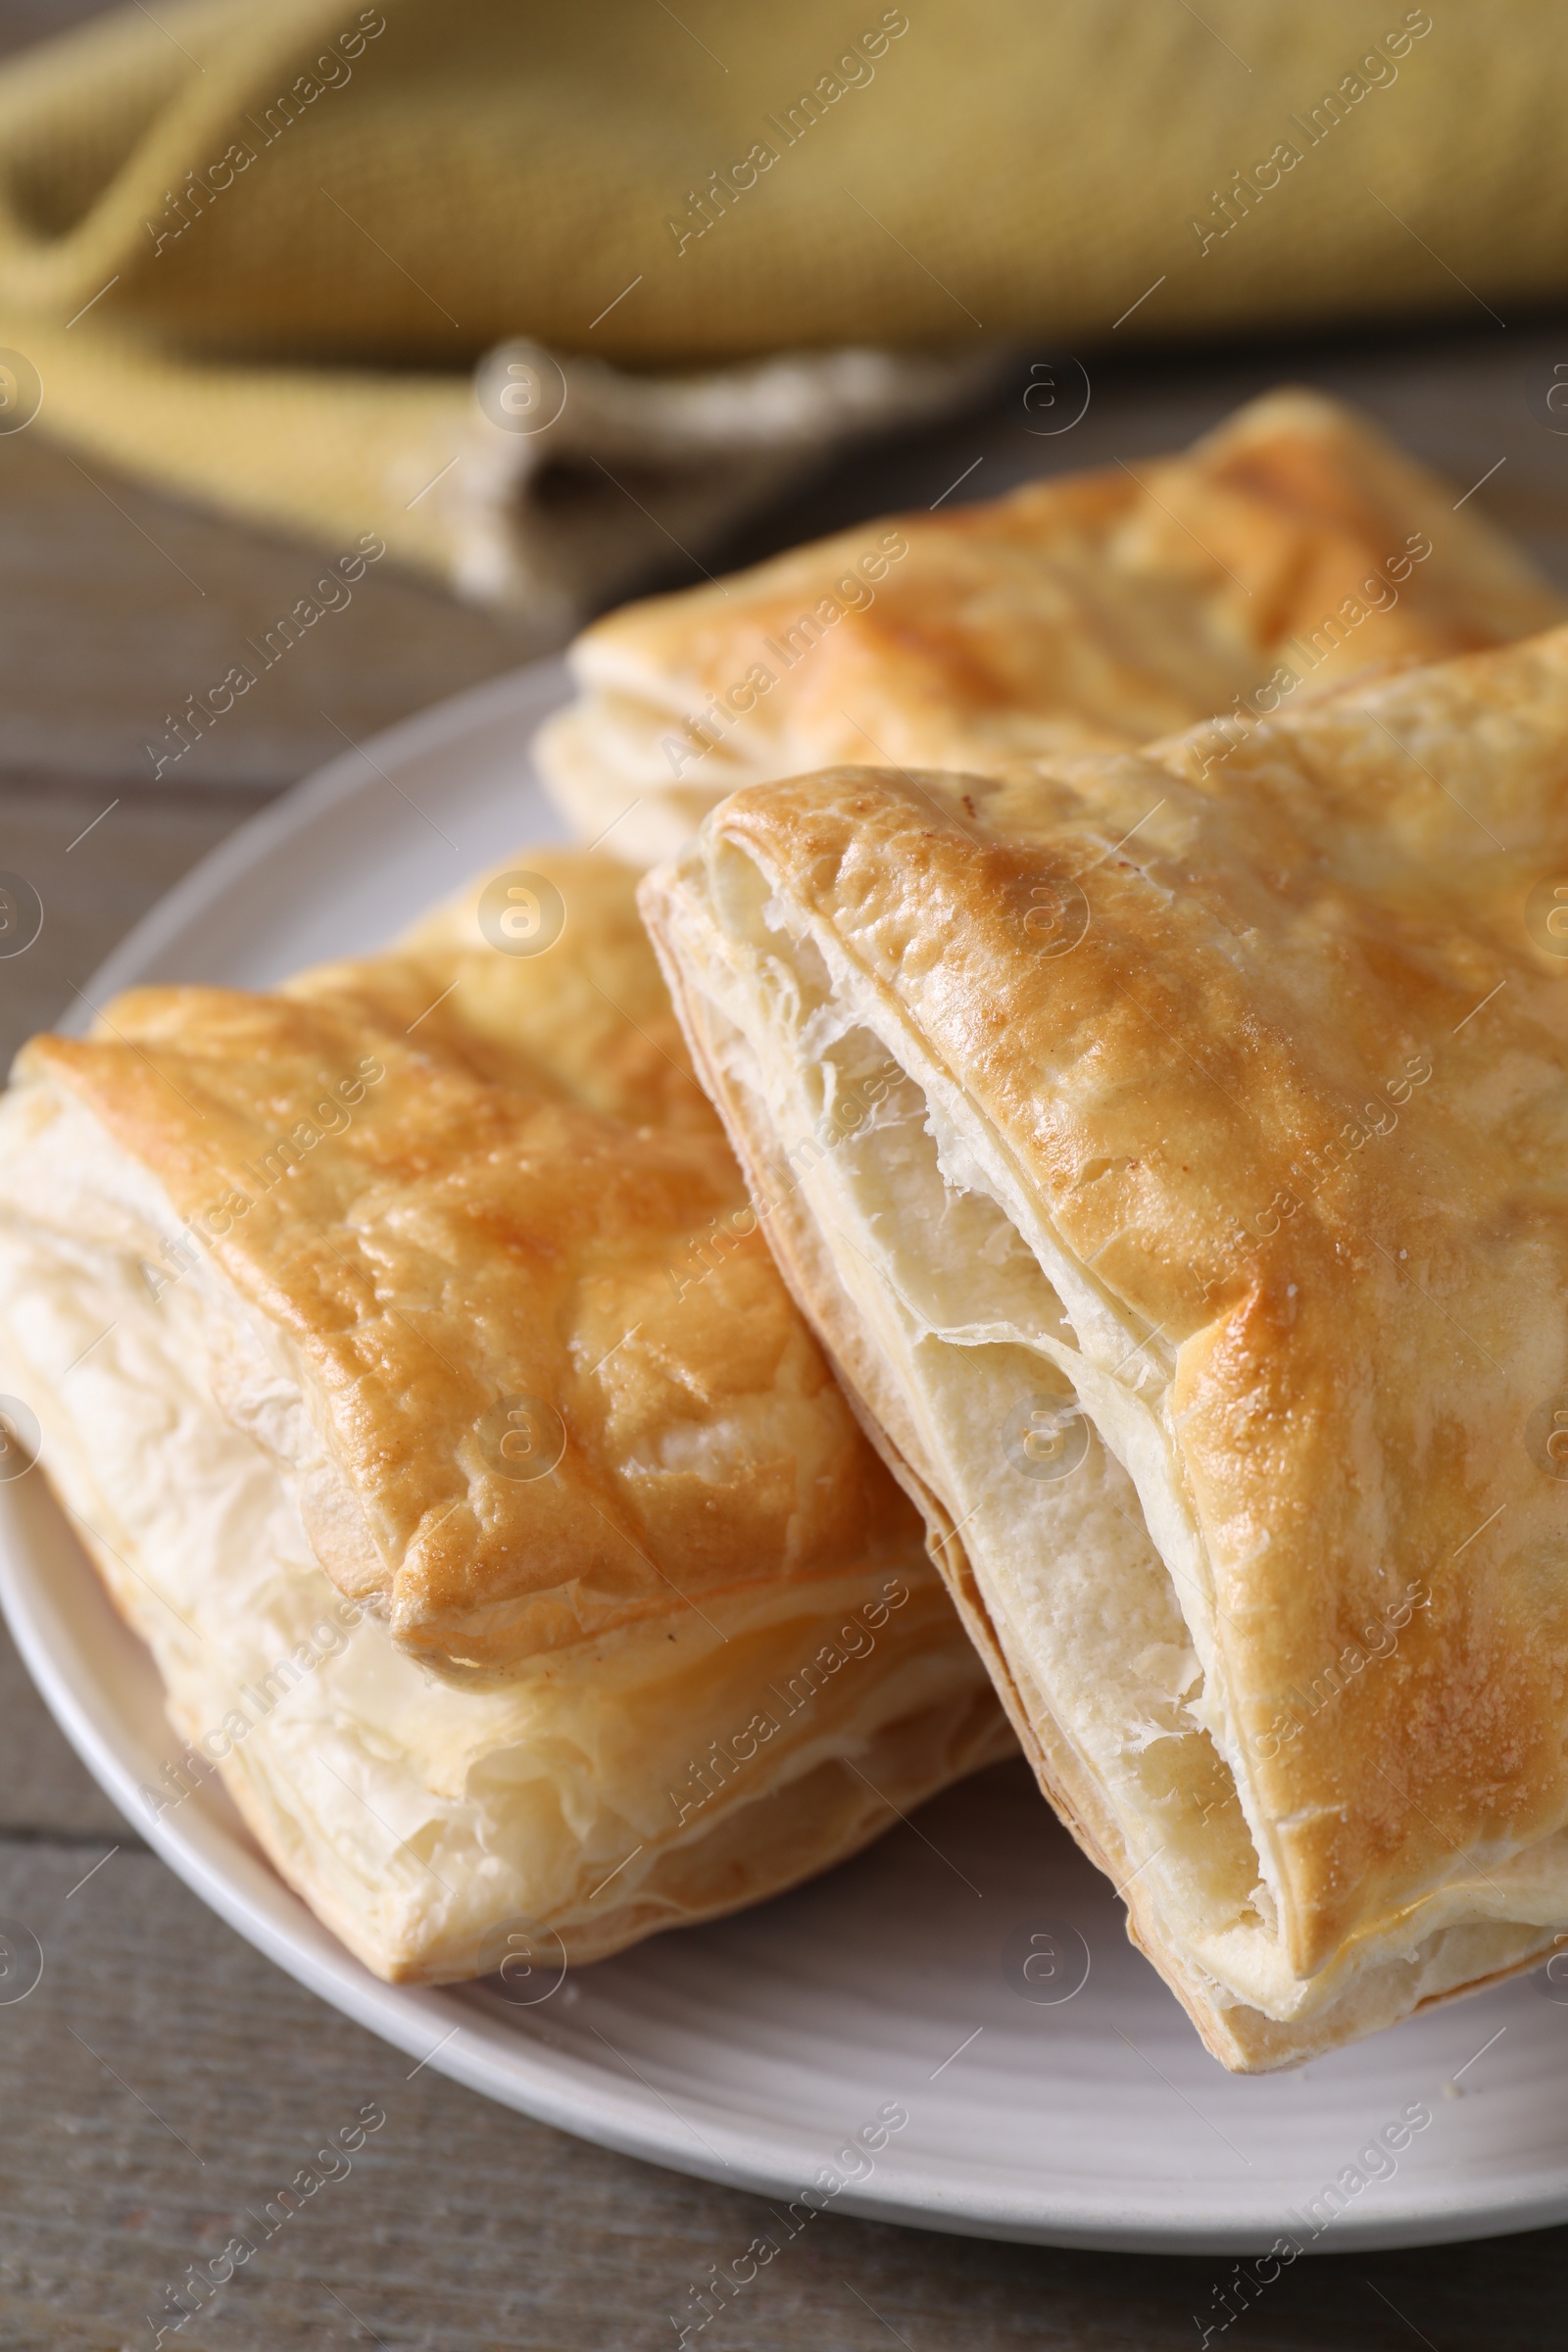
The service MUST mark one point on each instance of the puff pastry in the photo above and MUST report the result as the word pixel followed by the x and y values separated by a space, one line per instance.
pixel 1203 1265
pixel 1086 612
pixel 412 1370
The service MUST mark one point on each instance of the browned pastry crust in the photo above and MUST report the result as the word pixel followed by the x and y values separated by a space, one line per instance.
pixel 700 1660
pixel 1230 1112
pixel 455 1242
pixel 587 1021
pixel 1291 546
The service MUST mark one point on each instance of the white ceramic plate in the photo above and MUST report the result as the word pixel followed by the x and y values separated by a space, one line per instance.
pixel 752 2050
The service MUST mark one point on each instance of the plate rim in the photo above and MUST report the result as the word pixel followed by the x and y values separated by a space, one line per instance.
pixel 553 2086
pixel 556 2087
pixel 303 804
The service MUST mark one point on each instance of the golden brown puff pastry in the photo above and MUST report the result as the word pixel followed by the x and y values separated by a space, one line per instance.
pixel 305 1288
pixel 587 1021
pixel 1204 1264
pixel 1291 546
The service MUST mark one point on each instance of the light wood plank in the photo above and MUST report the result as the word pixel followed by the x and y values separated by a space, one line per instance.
pixel 463 2228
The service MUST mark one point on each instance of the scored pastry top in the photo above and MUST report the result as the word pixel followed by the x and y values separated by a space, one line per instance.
pixel 487 1282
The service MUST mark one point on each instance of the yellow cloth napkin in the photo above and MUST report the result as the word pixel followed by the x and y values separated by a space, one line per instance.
pixel 257 253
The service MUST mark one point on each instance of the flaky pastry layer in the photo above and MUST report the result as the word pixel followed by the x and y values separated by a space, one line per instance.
pixel 451 1244
pixel 1201 1261
pixel 687 1752
pixel 1289 548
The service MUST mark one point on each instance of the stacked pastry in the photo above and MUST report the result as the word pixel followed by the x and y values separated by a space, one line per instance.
pixel 1289 549
pixel 1205 1276
pixel 1201 1270
pixel 410 1365
pixel 1205 1273
pixel 1163 1148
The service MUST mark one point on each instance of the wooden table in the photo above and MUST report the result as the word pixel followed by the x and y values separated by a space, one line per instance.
pixel 163 2077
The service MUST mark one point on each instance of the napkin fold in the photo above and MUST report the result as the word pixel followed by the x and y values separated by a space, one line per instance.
pixel 510 285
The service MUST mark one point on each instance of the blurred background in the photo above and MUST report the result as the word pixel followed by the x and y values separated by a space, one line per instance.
pixel 550 307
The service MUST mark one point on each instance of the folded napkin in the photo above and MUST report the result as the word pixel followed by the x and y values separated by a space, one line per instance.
pixel 341 269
